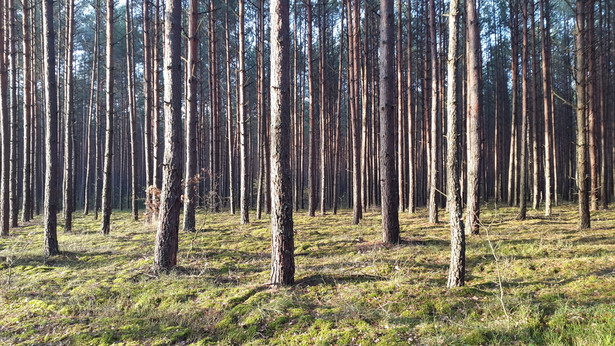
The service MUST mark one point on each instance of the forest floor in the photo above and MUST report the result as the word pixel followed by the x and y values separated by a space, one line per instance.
pixel 557 283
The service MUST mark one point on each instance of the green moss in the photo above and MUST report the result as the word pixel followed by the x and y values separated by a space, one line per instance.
pixel 557 284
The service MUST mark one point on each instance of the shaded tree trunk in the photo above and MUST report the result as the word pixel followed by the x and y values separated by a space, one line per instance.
pixel 68 196
pixel 51 132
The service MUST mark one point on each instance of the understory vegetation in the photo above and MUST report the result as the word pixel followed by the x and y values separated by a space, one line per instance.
pixel 557 283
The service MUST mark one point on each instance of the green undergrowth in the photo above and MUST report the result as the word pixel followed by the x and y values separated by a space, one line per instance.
pixel 557 283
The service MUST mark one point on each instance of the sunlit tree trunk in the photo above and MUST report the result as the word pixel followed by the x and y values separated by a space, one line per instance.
pixel 68 193
pixel 165 252
pixel 108 158
pixel 582 177
pixel 474 114
pixel 241 105
pixel 545 29
pixel 130 70
pixel 434 129
pixel 282 253
pixel 524 109
pixel 388 176
pixel 456 271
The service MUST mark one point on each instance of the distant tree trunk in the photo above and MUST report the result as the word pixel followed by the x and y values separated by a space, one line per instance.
pixel 108 158
pixel 456 271
pixel 410 110
pixel 338 111
pixel 165 252
pixel 26 206
pixel 322 108
pixel 90 142
pixel 474 114
pixel 534 115
pixel 388 176
pixel 12 65
pixel 241 105
pixel 51 135
pixel 191 120
pixel 582 178
pixel 312 185
pixel 130 70
pixel 524 108
pixel 156 150
pixel 433 141
pixel 68 195
pixel 400 111
pixel 282 252
pixel 512 167
pixel 148 90
pixel 592 93
pixel 260 107
pixel 4 127
pixel 229 111
pixel 354 46
pixel 545 29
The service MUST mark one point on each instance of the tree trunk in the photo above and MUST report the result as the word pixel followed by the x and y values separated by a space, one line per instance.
pixel 410 110
pixel 434 133
pixel 456 271
pixel 388 175
pixel 26 206
pixel 582 178
pixel 68 195
pixel 90 151
pixel 545 29
pixel 51 135
pixel 229 110
pixel 282 252
pixel 241 104
pixel 312 187
pixel 130 70
pixel 474 113
pixel 108 158
pixel 190 180
pixel 165 252
pixel 4 127
pixel 524 109
pixel 12 65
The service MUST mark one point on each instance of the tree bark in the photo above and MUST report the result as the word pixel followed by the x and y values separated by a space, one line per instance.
pixel 243 149
pixel 68 195
pixel 388 175
pixel 165 252
pixel 229 111
pixel 108 158
pixel 474 114
pixel 26 206
pixel 456 271
pixel 51 135
pixel 524 109
pixel 545 29
pixel 130 70
pixel 282 252
pixel 582 178
pixel 190 179
pixel 434 129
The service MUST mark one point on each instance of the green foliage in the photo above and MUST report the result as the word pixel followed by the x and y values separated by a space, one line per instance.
pixel 558 283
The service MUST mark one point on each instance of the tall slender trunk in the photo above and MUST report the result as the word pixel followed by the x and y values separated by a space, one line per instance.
pixel 388 176
pixel 108 158
pixel 26 206
pixel 90 142
pixel 410 110
pixel 4 126
pixel 190 179
pixel 355 82
pixel 434 128
pixel 322 107
pixel 474 114
pixel 545 29
pixel 12 66
pixel 524 120
pixel 130 70
pixel 534 115
pixel 68 195
pixel 229 111
pixel 312 184
pixel 512 169
pixel 282 253
pixel 456 272
pixel 241 105
pixel 51 135
pixel 582 177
